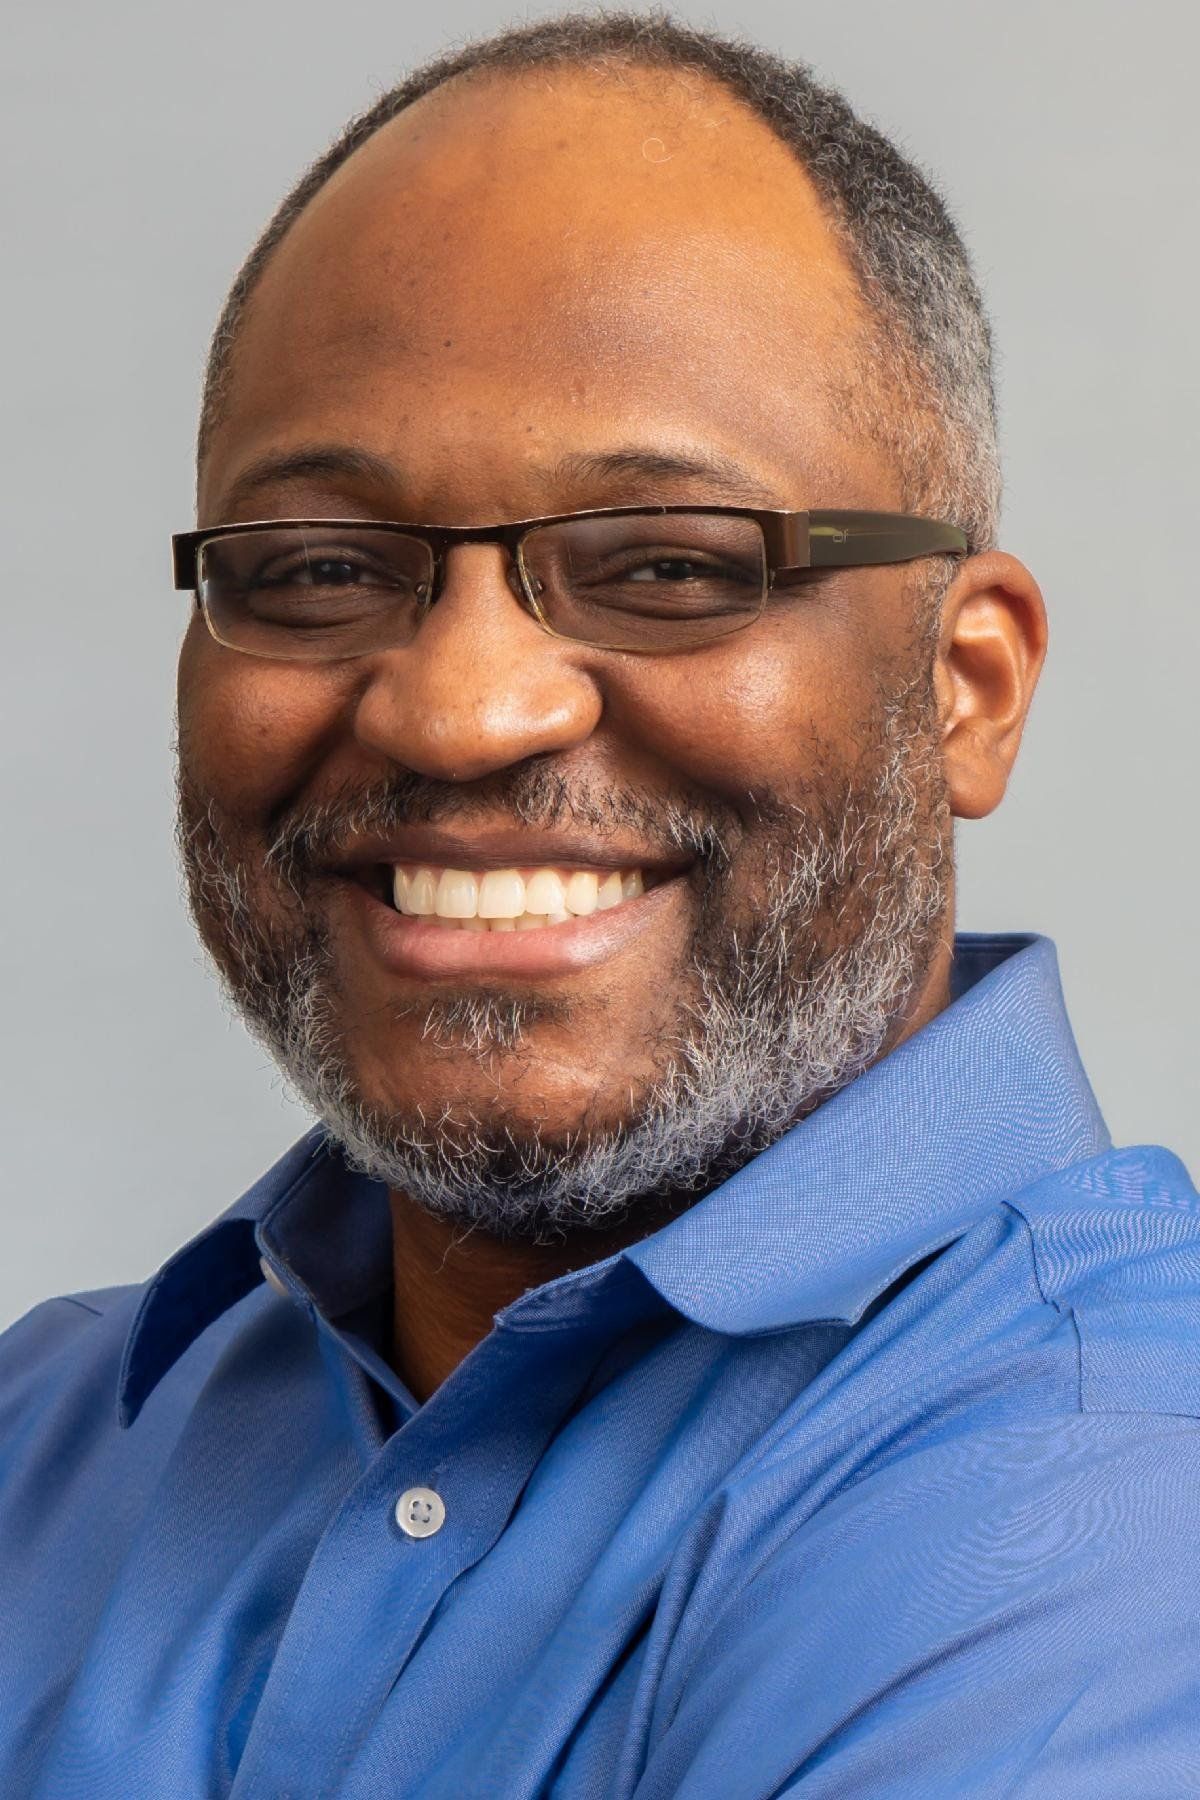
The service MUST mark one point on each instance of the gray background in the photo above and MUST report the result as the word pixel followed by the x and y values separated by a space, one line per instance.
pixel 144 146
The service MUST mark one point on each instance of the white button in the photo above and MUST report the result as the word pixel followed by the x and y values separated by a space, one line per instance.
pixel 420 1512
pixel 272 1278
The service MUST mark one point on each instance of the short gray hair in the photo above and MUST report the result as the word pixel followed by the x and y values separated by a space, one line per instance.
pixel 926 391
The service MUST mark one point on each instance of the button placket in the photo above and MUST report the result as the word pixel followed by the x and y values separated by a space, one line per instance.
pixel 370 1584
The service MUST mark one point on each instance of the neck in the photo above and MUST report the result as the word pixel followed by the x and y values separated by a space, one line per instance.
pixel 451 1280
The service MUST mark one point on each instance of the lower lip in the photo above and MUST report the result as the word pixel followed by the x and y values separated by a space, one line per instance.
pixel 411 947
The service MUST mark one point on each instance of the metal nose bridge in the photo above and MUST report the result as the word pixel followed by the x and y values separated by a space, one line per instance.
pixel 443 539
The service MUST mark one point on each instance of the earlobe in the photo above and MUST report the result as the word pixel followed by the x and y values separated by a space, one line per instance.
pixel 993 644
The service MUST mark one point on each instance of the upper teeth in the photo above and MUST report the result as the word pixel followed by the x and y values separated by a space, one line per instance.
pixel 511 899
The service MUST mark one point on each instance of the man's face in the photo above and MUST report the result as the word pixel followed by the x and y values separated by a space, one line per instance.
pixel 527 296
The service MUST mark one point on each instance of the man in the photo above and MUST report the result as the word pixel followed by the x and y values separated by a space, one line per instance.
pixel 708 1346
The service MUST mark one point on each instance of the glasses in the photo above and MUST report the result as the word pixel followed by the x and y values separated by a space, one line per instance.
pixel 643 579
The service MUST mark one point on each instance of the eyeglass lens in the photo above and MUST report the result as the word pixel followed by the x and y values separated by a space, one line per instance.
pixel 645 581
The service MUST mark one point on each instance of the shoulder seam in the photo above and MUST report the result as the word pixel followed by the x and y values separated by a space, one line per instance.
pixel 1064 1312
pixel 70 1300
pixel 1043 1296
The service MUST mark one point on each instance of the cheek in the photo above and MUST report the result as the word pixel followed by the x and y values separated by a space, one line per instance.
pixel 755 716
pixel 251 731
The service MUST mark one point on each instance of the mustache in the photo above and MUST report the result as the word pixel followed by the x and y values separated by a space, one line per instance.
pixel 304 840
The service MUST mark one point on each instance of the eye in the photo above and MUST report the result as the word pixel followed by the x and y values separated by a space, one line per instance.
pixel 671 565
pixel 333 571
pixel 669 568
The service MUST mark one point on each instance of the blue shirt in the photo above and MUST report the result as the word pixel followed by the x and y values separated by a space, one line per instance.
pixel 876 1473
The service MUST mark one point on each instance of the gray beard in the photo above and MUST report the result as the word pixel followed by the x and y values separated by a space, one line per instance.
pixel 785 1006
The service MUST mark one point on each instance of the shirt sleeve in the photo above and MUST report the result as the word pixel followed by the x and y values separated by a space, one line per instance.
pixel 1016 1614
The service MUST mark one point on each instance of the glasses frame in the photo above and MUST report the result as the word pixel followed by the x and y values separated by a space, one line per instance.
pixel 794 542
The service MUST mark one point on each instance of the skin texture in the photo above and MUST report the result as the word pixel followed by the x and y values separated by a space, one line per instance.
pixel 515 275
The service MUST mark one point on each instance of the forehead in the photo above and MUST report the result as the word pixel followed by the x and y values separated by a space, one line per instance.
pixel 521 268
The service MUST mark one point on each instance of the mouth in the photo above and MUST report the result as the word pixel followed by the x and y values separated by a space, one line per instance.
pixel 514 899
pixel 425 918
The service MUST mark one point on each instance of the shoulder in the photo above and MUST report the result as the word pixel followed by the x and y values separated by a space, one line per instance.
pixel 1115 1243
pixel 1045 1365
pixel 50 1345
pixel 60 1444
pixel 1051 1352
pixel 988 1499
pixel 998 1611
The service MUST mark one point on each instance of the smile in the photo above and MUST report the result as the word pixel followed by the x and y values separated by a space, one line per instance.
pixel 510 899
pixel 430 920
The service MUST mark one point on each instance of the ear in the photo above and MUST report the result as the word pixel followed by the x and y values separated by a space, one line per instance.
pixel 990 654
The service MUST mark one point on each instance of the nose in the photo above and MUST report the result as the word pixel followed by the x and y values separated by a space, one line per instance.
pixel 481 686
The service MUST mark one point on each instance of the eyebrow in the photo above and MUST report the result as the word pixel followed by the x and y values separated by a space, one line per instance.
pixel 305 463
pixel 718 473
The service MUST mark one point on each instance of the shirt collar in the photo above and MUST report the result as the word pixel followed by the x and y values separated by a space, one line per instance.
pixel 986 1098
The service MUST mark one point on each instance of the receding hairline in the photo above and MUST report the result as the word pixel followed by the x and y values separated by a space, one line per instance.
pixel 923 389
pixel 606 65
